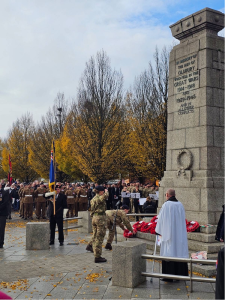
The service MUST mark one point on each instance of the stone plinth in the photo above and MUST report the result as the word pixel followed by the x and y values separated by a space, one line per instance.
pixel 85 222
pixel 127 264
pixel 37 236
pixel 195 128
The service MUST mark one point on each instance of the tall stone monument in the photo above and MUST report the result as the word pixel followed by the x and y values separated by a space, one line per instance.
pixel 195 131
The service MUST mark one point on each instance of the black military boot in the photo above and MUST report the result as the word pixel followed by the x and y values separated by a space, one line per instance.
pixel 108 246
pixel 89 248
pixel 100 260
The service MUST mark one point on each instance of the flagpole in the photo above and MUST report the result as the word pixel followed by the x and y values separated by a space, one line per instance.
pixel 54 176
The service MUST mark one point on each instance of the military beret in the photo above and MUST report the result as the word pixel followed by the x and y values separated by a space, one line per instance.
pixel 100 188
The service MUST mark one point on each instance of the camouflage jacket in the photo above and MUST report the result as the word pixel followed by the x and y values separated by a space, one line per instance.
pixel 121 219
pixel 98 204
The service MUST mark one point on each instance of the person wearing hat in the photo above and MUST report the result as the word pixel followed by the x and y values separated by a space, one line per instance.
pixel 98 222
pixel 121 221
pixel 60 204
pixel 20 192
pixel 82 198
pixel 40 201
pixel 70 201
pixel 28 196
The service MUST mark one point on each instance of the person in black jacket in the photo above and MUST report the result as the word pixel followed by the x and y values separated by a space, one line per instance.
pixel 149 206
pixel 220 276
pixel 60 204
pixel 136 201
pixel 4 198
pixel 15 196
pixel 220 228
pixel 115 195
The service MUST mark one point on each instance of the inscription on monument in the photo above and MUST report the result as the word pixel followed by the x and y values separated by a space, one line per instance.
pixel 185 82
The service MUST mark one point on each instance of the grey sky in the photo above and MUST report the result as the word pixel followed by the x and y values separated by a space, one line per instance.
pixel 45 44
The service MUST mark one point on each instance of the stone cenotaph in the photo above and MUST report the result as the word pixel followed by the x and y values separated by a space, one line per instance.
pixel 195 125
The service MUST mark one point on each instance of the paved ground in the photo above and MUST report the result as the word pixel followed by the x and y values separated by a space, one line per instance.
pixel 69 272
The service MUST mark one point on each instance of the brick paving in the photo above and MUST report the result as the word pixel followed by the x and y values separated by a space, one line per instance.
pixel 65 273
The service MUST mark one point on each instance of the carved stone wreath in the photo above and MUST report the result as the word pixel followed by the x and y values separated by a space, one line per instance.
pixel 187 165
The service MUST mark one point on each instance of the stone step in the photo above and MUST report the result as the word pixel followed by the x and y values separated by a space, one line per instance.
pixel 202 237
pixel 197 236
pixel 210 248
pixel 205 270
pixel 209 229
pixel 150 245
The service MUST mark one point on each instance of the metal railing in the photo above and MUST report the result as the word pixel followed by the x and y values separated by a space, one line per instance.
pixel 142 214
pixel 65 222
pixel 179 277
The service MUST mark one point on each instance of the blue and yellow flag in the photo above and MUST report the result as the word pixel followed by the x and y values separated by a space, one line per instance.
pixel 52 171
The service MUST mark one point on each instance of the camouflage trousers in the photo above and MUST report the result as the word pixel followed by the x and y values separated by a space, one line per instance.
pixel 99 230
pixel 111 234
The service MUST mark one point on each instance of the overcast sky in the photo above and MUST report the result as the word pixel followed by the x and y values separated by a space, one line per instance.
pixel 45 44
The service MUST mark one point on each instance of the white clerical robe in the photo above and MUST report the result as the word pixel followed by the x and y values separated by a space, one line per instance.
pixel 171 226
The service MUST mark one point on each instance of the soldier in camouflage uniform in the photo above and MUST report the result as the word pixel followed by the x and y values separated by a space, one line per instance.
pixel 121 221
pixel 20 192
pixel 98 222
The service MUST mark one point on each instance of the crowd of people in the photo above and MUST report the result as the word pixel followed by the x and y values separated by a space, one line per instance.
pixel 29 198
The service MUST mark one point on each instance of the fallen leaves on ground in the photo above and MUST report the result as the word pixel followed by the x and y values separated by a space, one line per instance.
pixel 21 285
pixel 93 277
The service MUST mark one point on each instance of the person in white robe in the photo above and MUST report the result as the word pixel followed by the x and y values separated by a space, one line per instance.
pixel 171 226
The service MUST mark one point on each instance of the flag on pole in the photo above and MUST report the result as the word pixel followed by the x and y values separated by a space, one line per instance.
pixel 52 171
pixel 10 171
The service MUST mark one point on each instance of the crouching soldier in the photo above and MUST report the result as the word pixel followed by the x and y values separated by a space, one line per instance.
pixel 121 220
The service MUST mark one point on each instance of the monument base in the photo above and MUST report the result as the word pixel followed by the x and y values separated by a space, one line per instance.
pixel 202 197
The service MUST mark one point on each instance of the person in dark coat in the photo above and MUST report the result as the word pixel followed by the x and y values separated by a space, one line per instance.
pixel 125 200
pixel 220 228
pixel 110 190
pixel 149 206
pixel 8 191
pixel 136 201
pixel 15 196
pixel 116 196
pixel 4 198
pixel 60 204
pixel 220 275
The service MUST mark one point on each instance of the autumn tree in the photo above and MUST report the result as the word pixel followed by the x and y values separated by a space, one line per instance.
pixel 66 161
pixel 94 125
pixel 3 152
pixel 17 146
pixel 50 127
pixel 147 114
